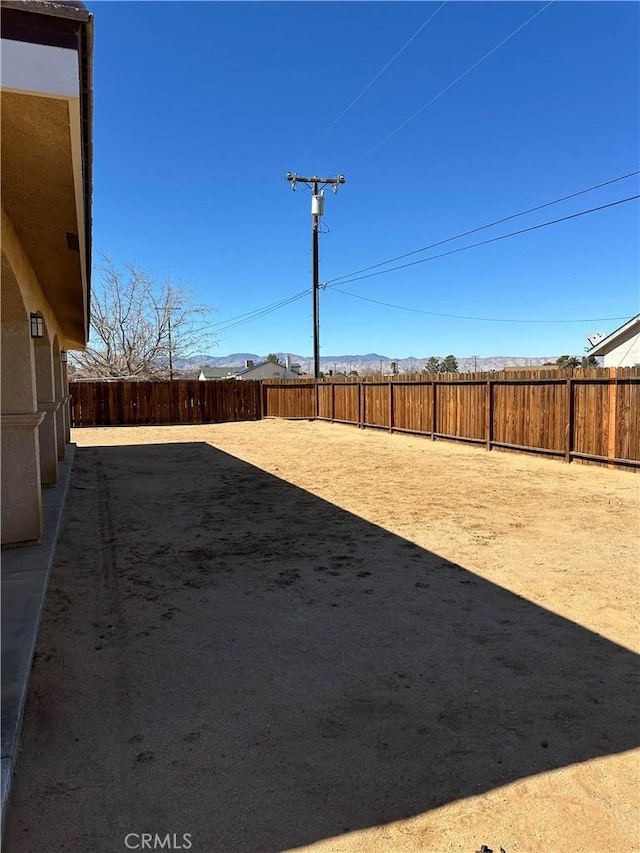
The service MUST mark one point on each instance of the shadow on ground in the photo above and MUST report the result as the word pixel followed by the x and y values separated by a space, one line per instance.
pixel 226 655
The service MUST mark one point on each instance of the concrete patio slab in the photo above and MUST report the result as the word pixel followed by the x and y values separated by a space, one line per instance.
pixel 25 575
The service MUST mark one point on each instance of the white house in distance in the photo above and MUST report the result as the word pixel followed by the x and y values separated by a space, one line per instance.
pixel 215 373
pixel 46 242
pixel 263 370
pixel 621 348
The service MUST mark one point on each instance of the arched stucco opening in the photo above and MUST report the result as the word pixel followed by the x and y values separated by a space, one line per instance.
pixel 18 371
pixel 20 419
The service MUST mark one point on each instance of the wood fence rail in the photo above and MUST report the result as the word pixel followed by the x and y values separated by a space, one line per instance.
pixel 123 403
pixel 591 415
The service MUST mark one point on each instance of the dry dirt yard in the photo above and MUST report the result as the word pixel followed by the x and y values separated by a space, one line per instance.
pixel 303 636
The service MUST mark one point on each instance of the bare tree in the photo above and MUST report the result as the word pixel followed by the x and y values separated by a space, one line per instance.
pixel 139 327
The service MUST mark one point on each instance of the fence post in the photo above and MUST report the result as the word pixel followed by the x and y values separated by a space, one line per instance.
pixel 489 423
pixel 71 404
pixel 263 400
pixel 613 412
pixel 359 387
pixel 570 420
pixel 390 406
pixel 333 401
pixel 364 405
pixel 316 398
pixel 169 390
pixel 434 411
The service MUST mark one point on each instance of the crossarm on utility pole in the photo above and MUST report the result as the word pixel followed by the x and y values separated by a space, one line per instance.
pixel 326 181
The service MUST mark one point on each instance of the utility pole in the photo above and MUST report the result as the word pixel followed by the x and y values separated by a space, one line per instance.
pixel 317 210
pixel 170 352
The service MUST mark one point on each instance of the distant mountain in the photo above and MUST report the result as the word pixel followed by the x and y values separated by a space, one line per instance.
pixel 232 360
pixel 369 363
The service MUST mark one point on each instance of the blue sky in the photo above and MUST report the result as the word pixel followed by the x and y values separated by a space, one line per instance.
pixel 201 108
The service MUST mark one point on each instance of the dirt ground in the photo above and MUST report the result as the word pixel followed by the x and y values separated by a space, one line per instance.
pixel 303 636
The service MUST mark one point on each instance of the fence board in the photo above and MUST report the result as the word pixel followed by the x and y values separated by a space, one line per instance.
pixel 412 407
pixel 376 404
pixel 324 401
pixel 591 431
pixel 627 443
pixel 289 400
pixel 461 410
pixel 346 402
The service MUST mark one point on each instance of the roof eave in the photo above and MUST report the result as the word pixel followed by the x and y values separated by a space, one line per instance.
pixel 603 346
pixel 73 10
pixel 51 8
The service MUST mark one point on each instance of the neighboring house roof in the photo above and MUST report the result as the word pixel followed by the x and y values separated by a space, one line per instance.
pixel 220 372
pixel 283 371
pixel 293 368
pixel 613 339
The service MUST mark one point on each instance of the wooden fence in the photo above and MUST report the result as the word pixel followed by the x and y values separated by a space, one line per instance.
pixel 591 415
pixel 138 403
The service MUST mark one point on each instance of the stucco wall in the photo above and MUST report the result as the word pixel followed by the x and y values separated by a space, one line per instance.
pixel 626 352
pixel 32 294
pixel 32 394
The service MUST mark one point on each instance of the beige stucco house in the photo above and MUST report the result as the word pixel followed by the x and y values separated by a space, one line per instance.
pixel 271 370
pixel 621 348
pixel 262 370
pixel 214 373
pixel 46 243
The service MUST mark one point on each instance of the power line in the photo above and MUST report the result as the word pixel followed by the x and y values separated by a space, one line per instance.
pixel 249 316
pixel 491 240
pixel 478 319
pixel 451 85
pixel 489 225
pixel 228 328
pixel 257 310
pixel 370 84
pixel 241 319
